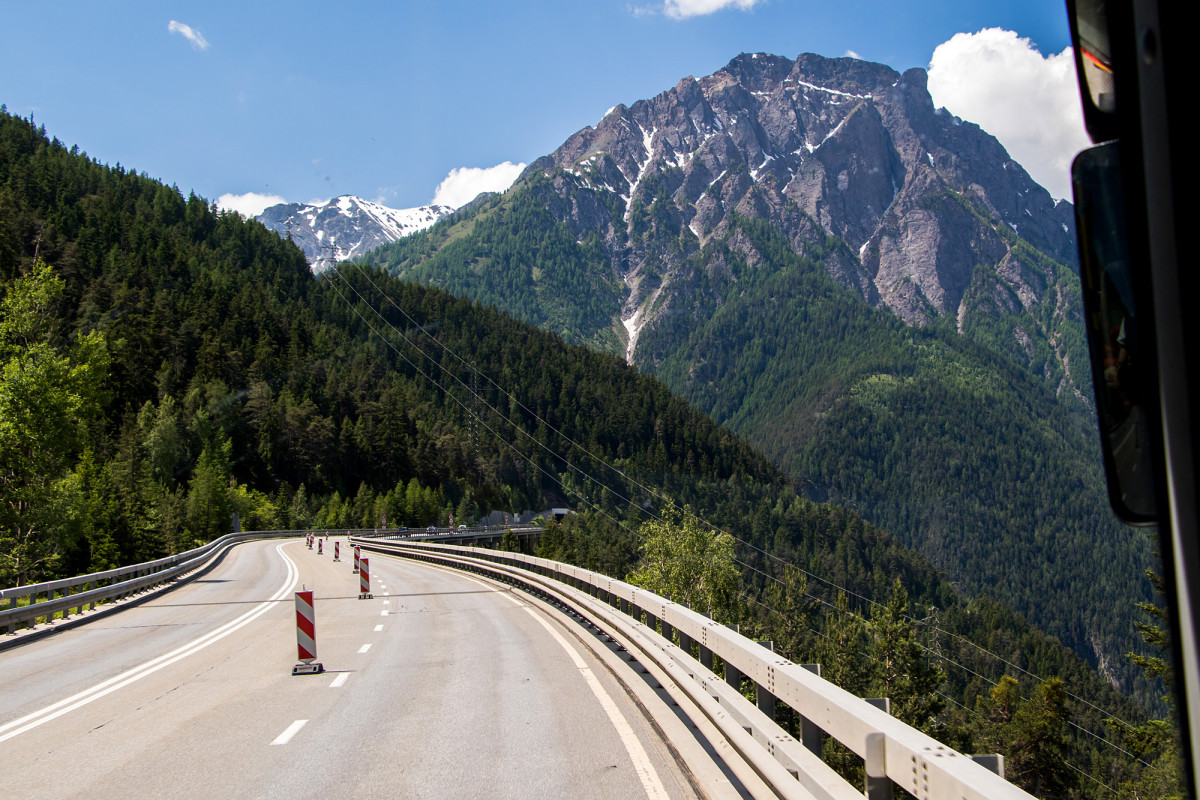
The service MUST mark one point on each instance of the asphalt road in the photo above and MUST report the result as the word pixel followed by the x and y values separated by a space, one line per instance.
pixel 442 686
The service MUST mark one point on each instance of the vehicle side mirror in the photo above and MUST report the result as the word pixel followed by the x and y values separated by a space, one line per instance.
pixel 1118 341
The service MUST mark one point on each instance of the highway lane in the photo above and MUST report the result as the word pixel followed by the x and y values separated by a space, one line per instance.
pixel 441 686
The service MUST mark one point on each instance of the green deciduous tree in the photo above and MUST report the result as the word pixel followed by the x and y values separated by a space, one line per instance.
pixel 688 563
pixel 49 394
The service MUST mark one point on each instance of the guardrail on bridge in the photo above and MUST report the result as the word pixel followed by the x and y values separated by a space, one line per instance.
pixel 24 605
pixel 682 646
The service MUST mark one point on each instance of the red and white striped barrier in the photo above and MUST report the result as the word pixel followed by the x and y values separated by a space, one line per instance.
pixel 306 636
pixel 337 551
pixel 320 547
pixel 308 541
pixel 364 579
pixel 357 556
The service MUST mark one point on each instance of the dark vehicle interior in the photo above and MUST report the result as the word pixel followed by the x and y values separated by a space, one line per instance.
pixel 1129 191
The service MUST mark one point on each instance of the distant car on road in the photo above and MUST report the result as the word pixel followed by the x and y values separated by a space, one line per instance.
pixel 462 527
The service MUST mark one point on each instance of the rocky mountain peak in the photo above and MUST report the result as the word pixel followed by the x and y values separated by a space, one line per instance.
pixel 911 208
pixel 818 146
pixel 345 226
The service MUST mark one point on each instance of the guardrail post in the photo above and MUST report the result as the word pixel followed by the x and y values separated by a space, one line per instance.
pixel 685 643
pixel 878 786
pixel 706 657
pixel 762 698
pixel 733 676
pixel 992 761
pixel 811 735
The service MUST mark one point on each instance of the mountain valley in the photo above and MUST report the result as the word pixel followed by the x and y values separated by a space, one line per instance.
pixel 864 286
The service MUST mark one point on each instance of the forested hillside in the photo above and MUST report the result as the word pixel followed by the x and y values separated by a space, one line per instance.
pixel 869 290
pixel 515 256
pixel 164 364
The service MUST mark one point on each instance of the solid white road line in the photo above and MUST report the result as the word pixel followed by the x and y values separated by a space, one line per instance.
pixel 65 706
pixel 641 762
pixel 339 680
pixel 290 731
pixel 651 783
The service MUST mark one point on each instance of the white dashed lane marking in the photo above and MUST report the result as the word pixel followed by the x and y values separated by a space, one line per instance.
pixel 290 731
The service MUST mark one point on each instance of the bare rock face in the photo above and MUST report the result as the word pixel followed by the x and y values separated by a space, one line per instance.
pixel 928 205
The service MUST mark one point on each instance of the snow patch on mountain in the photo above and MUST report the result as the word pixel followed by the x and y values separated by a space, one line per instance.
pixel 345 227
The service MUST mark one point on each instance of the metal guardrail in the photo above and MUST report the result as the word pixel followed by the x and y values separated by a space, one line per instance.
pixel 86 591
pixel 23 605
pixel 489 536
pixel 666 634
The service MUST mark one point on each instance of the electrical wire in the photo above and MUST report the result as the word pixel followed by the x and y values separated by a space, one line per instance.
pixel 588 477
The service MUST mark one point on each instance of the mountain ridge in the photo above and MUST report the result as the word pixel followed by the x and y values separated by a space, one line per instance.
pixel 744 139
pixel 689 232
pixel 345 226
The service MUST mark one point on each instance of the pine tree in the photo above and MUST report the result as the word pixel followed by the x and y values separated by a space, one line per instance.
pixel 900 668
pixel 840 652
pixel 1035 745
pixel 208 503
pixel 1158 739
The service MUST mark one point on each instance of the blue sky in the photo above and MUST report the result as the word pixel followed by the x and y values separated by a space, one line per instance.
pixel 305 101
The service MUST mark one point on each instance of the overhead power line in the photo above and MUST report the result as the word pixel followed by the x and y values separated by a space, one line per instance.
pixel 472 391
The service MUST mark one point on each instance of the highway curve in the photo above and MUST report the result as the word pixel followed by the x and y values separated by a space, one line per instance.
pixel 441 686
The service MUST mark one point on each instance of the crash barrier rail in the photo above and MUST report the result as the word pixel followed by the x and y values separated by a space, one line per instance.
pixel 489 537
pixel 25 604
pixel 681 648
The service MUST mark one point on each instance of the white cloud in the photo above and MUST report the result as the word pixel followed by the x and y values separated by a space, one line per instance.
pixel 681 9
pixel 464 184
pixel 191 34
pixel 1028 101
pixel 854 55
pixel 250 204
